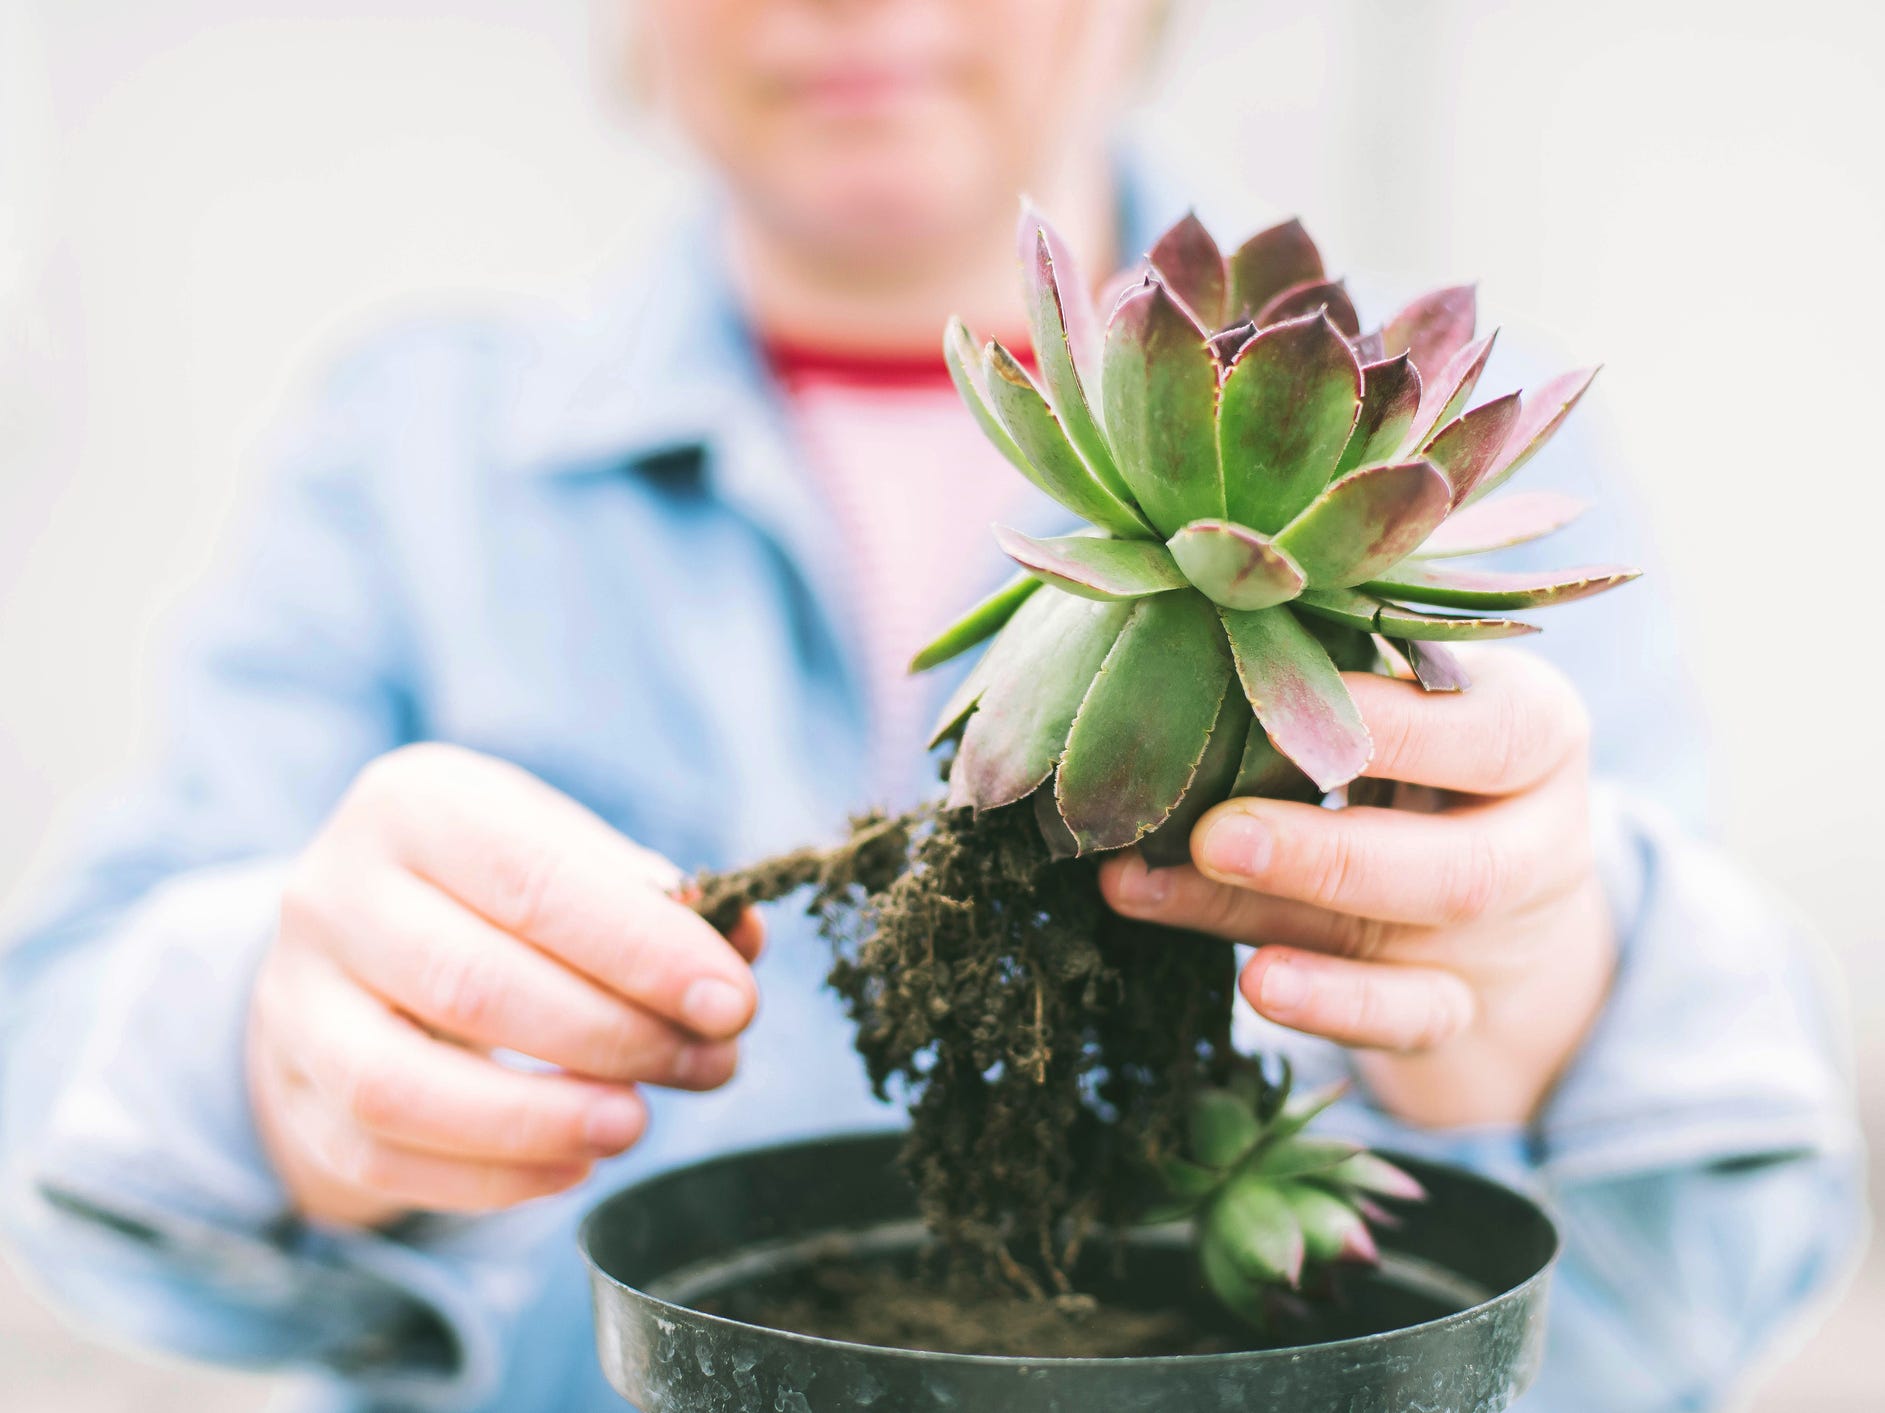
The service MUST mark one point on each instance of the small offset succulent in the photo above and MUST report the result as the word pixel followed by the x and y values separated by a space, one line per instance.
pixel 1273 1206
pixel 1274 497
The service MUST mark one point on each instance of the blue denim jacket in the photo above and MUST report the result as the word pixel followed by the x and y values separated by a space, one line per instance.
pixel 585 546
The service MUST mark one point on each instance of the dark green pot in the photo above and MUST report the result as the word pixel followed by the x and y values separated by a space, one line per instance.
pixel 1451 1322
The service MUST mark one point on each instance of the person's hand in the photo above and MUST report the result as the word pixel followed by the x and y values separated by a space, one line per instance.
pixel 451 907
pixel 1462 941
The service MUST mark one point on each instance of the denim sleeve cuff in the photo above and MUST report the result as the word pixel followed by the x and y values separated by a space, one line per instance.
pixel 1717 1043
pixel 145 1197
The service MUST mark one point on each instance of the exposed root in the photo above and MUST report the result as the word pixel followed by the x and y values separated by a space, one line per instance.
pixel 1044 1045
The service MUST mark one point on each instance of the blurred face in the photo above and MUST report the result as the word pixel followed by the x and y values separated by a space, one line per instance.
pixel 877 133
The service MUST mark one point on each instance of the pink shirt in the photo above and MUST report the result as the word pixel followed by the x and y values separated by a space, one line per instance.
pixel 914 487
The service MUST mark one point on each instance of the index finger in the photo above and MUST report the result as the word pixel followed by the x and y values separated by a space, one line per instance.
pixel 1517 723
pixel 541 867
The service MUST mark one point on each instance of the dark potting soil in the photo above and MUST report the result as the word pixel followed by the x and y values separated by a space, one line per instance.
pixel 879 1304
pixel 1044 1046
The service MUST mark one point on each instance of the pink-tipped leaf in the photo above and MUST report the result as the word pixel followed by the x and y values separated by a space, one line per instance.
pixel 1079 314
pixel 1288 406
pixel 1298 695
pixel 1434 327
pixel 1192 267
pixel 1270 262
pixel 1445 395
pixel 1234 566
pixel 1307 298
pixel 1368 1173
pixel 1092 567
pixel 1465 447
pixel 1253 1225
pixel 1267 773
pixel 1051 294
pixel 1544 412
pixel 1390 396
pixel 1161 409
pixel 1434 667
pixel 1487 525
pixel 1366 523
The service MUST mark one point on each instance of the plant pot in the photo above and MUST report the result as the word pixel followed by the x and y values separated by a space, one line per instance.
pixel 1453 1319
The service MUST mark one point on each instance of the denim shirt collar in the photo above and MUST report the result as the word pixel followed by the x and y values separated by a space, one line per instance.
pixel 671 364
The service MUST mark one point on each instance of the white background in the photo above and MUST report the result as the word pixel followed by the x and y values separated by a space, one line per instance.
pixel 199 199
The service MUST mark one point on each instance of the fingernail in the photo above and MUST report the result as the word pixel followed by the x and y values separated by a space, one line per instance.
pixel 696 1064
pixel 1282 989
pixel 1140 885
pixel 1237 844
pixel 614 1123
pixel 714 1007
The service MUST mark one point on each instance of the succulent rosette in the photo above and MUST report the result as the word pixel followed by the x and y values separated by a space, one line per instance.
pixel 1274 1206
pixel 1274 497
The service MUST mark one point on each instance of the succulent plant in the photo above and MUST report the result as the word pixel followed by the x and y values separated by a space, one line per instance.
pixel 1274 497
pixel 1273 1206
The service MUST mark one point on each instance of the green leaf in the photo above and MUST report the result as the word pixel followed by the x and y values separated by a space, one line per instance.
pixel 1257 1227
pixel 1484 526
pixel 1186 1179
pixel 1222 1129
pixel 1050 295
pixel 1288 405
pixel 1174 1209
pixel 1270 262
pixel 1170 843
pixel 1349 607
pixel 1353 609
pixel 1303 1110
pixel 983 620
pixel 1367 522
pixel 1304 1156
pixel 1234 566
pixel 1039 669
pixel 1142 729
pixel 1092 567
pixel 1192 267
pixel 1160 388
pixel 1398 622
pixel 1054 832
pixel 1048 458
pixel 965 370
pixel 1298 695
pixel 1390 396
pixel 1240 1295
pixel 1424 581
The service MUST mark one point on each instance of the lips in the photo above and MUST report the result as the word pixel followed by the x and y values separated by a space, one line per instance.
pixel 861 89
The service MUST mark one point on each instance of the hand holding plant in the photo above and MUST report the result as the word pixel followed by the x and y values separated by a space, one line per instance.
pixel 1463 944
